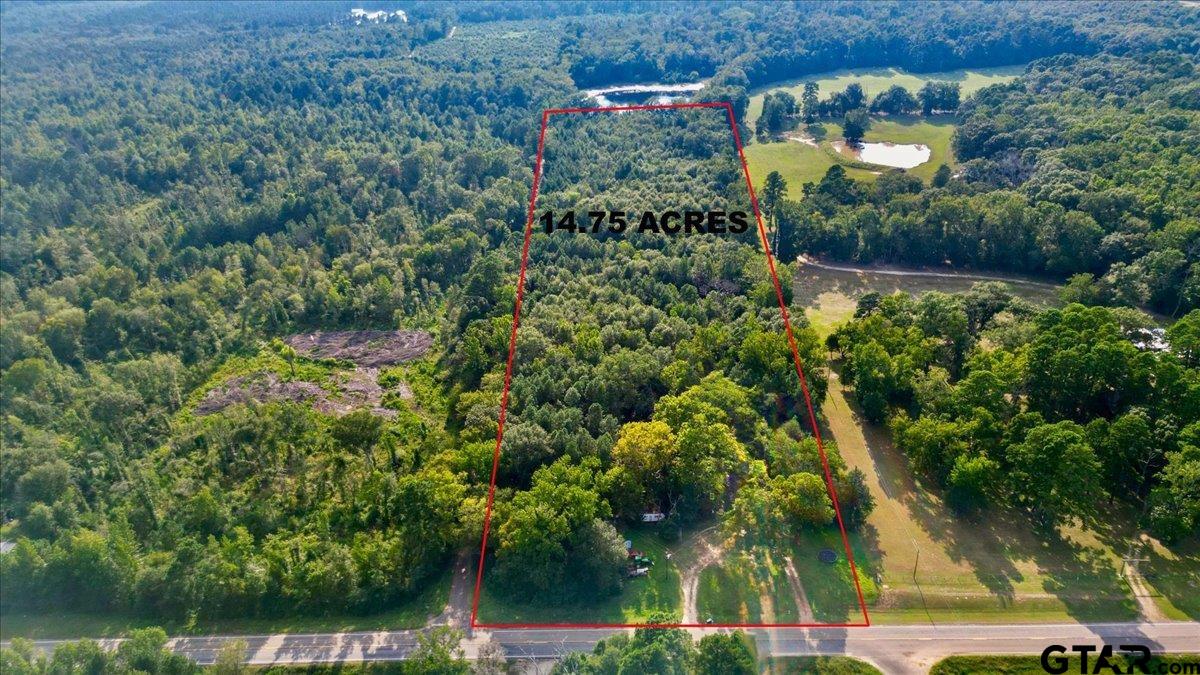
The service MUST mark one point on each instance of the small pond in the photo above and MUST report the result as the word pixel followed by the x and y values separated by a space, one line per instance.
pixel 640 94
pixel 898 155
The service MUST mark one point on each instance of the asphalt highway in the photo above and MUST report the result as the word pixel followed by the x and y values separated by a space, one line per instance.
pixel 893 649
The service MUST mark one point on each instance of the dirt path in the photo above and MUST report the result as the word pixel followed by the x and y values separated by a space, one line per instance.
pixel 804 260
pixel 462 593
pixel 766 605
pixel 1144 595
pixel 802 606
pixel 703 549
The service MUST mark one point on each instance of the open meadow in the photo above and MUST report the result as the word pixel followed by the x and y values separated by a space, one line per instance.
pixel 802 162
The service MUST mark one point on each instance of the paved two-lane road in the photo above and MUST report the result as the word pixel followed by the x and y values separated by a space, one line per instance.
pixel 894 649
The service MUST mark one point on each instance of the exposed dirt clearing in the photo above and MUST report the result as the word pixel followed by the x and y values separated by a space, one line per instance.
pixel 357 389
pixel 364 348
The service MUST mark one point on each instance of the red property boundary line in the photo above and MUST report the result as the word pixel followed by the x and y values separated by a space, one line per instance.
pixel 787 322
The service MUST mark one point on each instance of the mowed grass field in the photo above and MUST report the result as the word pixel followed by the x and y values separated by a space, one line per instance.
pixel 751 585
pixel 934 567
pixel 1174 574
pixel 801 163
pixel 729 593
pixel 659 591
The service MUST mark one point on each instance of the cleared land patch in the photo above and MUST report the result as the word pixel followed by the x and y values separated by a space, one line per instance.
pixel 364 348
pixel 319 377
pixel 353 390
pixel 788 584
pixel 333 372
pixel 640 598
pixel 829 295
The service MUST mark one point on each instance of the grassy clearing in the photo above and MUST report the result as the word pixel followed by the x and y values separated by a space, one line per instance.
pixel 801 163
pixel 729 593
pixel 1031 665
pixel 747 586
pixel 751 586
pixel 934 132
pixel 1175 575
pixel 875 80
pixel 659 591
pixel 830 296
pixel 830 588
pixel 265 360
pixel 412 614
pixel 783 599
pixel 817 665
pixel 798 163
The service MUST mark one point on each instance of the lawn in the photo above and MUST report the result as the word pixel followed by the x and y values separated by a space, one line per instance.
pixel 1175 575
pixel 729 593
pixel 830 588
pixel 817 665
pixel 412 614
pixel 798 163
pixel 875 80
pixel 934 132
pixel 752 586
pixel 659 591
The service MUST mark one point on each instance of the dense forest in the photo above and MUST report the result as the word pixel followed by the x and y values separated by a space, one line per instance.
pixel 651 372
pixel 183 184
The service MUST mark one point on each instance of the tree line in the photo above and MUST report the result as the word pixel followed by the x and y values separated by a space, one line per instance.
pixel 781 110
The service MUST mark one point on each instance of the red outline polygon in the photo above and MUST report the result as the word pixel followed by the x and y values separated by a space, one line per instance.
pixel 512 343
